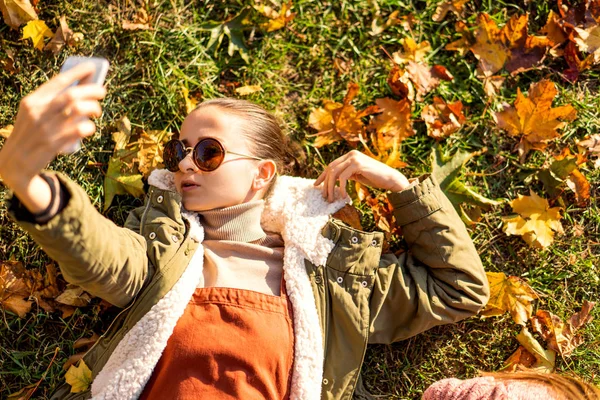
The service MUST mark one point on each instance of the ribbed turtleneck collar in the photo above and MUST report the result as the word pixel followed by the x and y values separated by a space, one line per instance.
pixel 240 223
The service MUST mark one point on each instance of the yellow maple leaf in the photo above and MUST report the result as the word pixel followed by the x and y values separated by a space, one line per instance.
pixel 190 102
pixel 412 51
pixel 533 117
pixel 37 30
pixel 278 19
pixel 488 47
pixel 509 294
pixel 79 377
pixel 150 149
pixel 536 222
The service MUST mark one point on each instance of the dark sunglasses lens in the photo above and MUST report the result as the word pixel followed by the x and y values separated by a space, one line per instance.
pixel 173 153
pixel 209 154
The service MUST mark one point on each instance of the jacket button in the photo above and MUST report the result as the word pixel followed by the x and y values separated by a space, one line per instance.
pixel 175 238
pixel 318 279
pixel 340 279
pixel 325 381
pixel 152 235
pixel 374 243
pixel 159 199
pixel 364 283
pixel 354 240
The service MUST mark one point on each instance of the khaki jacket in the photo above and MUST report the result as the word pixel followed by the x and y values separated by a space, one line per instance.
pixel 360 295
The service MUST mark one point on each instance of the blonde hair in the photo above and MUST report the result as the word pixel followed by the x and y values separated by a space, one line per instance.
pixel 565 387
pixel 265 138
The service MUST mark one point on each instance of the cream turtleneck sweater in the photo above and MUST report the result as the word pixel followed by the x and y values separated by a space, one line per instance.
pixel 238 253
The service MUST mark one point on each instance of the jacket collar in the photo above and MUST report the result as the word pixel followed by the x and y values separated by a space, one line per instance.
pixel 295 209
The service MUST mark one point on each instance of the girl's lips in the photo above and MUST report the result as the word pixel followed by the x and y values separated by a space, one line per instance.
pixel 188 188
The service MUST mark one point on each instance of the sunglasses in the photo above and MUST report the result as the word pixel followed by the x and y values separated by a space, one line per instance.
pixel 207 154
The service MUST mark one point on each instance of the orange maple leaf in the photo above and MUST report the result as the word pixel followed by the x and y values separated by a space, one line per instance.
pixel 533 117
pixel 335 122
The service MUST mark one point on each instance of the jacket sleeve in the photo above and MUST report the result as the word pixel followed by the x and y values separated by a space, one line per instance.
pixel 439 280
pixel 106 260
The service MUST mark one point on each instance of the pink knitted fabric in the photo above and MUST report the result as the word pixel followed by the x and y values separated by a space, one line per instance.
pixel 486 387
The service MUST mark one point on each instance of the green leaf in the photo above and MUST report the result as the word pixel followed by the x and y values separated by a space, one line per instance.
pixel 447 171
pixel 119 179
pixel 555 176
pixel 234 29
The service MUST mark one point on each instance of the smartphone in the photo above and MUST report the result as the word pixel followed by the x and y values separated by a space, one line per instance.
pixel 101 65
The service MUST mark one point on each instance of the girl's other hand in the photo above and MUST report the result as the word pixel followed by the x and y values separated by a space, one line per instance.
pixel 359 167
pixel 50 118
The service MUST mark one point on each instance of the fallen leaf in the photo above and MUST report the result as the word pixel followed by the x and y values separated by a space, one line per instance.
pixel 412 51
pixel 79 377
pixel 278 19
pixel 74 296
pixel 509 294
pixel 86 342
pixel 447 172
pixel 488 47
pixel 545 360
pixel 575 63
pixel 492 85
pixel 17 12
pixel 72 360
pixel 8 64
pixel 6 131
pixel 62 36
pixel 13 288
pixel 119 179
pixel 400 83
pixel 462 45
pixel 443 119
pixel 234 30
pixel 140 22
pixel 422 77
pixel 335 121
pixel 349 215
pixel 37 30
pixel 562 337
pixel 24 394
pixel 553 30
pixel 379 25
pixel 190 103
pixel 525 51
pixel 150 147
pixel 536 222
pixel 533 118
pixel 454 6
pixel 246 90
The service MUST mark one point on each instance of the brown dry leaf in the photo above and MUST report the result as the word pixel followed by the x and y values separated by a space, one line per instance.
pixel 150 147
pixel 73 360
pixel 335 121
pixel 455 6
pixel 349 214
pixel 443 119
pixel 492 85
pixel 509 294
pixel 462 45
pixel 533 117
pixel 383 216
pixel 74 296
pixel 525 51
pixel 412 51
pixel 6 131
pixel 388 130
pixel 589 41
pixel 37 30
pixel 536 222
pixel 530 355
pixel 400 83
pixel 17 12
pixel 24 394
pixel 562 337
pixel 422 78
pixel 14 288
pixel 575 63
pixel 62 36
pixel 591 145
pixel 278 19
pixel 140 22
pixel 84 342
pixel 8 64
pixel 553 29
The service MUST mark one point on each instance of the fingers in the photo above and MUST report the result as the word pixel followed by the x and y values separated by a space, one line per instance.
pixel 65 79
pixel 333 164
pixel 75 130
pixel 74 95
pixel 343 170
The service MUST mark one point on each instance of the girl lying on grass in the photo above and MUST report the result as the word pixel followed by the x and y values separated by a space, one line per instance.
pixel 234 279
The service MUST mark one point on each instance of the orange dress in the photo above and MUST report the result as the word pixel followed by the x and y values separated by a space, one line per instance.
pixel 228 344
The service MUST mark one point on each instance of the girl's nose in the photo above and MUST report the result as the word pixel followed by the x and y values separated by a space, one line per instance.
pixel 187 164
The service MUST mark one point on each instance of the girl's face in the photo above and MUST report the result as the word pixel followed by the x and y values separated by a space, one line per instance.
pixel 237 180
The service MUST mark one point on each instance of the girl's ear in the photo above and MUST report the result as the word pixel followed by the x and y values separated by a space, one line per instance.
pixel 265 172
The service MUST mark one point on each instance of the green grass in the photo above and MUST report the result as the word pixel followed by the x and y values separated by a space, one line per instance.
pixel 295 69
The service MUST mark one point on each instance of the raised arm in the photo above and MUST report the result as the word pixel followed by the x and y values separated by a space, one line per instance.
pixel 106 260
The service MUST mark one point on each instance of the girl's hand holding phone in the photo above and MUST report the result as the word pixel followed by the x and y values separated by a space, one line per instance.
pixel 49 119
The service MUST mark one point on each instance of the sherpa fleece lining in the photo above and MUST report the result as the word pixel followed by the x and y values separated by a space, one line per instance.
pixel 297 211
